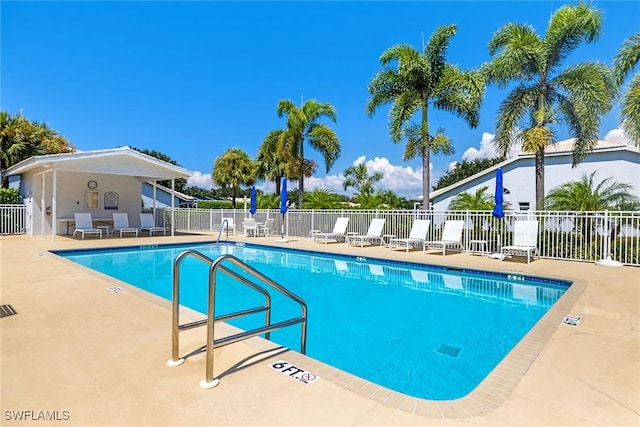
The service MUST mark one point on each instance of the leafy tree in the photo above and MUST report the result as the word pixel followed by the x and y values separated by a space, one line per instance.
pixel 179 183
pixel 479 201
pixel 233 169
pixel 303 125
pixel 624 62
pixel 321 199
pixel 358 177
pixel 10 196
pixel 585 195
pixel 21 138
pixel 577 95
pixel 466 169
pixel 418 82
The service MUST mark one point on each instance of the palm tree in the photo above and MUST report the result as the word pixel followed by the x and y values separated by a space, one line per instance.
pixel 585 195
pixel 232 169
pixel 20 139
pixel 393 201
pixel 271 163
pixel 577 95
pixel 626 59
pixel 269 201
pixel 321 199
pixel 480 201
pixel 358 177
pixel 369 200
pixel 303 126
pixel 418 82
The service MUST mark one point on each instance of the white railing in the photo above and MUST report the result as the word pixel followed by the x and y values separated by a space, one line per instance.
pixel 575 236
pixel 12 219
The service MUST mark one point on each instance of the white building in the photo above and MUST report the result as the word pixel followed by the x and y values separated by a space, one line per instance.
pixel 610 160
pixel 56 186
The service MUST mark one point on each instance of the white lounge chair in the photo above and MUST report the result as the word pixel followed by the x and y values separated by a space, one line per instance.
pixel 374 234
pixel 265 229
pixel 149 224
pixel 121 224
pixel 228 224
pixel 417 236
pixel 451 237
pixel 84 225
pixel 250 227
pixel 525 240
pixel 339 231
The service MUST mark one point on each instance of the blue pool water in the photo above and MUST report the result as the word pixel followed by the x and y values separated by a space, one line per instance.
pixel 429 332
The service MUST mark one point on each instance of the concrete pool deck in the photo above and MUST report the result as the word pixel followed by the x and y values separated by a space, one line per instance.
pixel 80 355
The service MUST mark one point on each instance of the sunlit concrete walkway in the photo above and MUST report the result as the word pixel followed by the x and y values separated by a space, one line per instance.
pixel 85 356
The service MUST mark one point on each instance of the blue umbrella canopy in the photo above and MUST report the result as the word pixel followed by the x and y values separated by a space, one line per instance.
pixel 253 207
pixel 499 196
pixel 283 196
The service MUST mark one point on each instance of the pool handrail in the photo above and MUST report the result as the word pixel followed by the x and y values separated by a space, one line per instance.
pixel 223 226
pixel 214 265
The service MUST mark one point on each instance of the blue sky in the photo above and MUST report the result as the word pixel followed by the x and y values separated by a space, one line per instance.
pixel 191 79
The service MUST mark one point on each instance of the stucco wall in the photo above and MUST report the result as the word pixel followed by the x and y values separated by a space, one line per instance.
pixel 71 190
pixel 519 176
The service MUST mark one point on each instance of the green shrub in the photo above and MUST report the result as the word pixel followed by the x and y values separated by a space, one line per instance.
pixel 214 204
pixel 10 196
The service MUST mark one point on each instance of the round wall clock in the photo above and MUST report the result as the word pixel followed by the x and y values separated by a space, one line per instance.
pixel 92 184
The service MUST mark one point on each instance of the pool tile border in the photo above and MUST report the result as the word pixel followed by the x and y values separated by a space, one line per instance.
pixel 492 391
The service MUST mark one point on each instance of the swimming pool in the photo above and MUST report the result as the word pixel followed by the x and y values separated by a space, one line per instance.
pixel 426 331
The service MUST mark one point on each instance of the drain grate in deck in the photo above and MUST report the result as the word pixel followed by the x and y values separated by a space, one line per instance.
pixel 6 310
pixel 449 350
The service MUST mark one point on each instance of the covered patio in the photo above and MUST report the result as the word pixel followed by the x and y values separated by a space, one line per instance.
pixel 101 182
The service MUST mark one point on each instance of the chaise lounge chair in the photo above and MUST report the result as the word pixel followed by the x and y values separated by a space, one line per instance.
pixel 84 225
pixel 525 240
pixel 148 223
pixel 339 231
pixel 121 224
pixel 374 234
pixel 417 236
pixel 451 237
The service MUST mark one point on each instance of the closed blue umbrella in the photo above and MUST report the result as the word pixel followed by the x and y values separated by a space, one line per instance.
pixel 253 207
pixel 283 207
pixel 498 196
pixel 497 209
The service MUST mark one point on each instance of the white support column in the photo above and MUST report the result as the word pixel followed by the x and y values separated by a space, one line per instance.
pixel 54 208
pixel 173 206
pixel 43 208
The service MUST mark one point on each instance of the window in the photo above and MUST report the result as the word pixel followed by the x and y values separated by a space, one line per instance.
pixel 91 199
pixel 524 206
pixel 111 201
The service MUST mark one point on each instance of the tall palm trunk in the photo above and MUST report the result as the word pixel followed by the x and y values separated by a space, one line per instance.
pixel 540 178
pixel 426 202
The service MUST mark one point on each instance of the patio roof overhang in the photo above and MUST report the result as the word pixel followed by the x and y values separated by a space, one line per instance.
pixel 117 161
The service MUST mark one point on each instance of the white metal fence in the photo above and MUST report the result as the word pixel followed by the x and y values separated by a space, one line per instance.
pixel 12 219
pixel 575 236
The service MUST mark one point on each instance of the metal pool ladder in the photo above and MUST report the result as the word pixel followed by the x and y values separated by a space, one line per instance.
pixel 214 266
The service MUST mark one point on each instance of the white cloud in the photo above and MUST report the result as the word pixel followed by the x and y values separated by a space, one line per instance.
pixel 200 180
pixel 618 135
pixel 487 149
pixel 452 165
pixel 404 181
